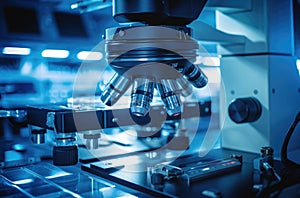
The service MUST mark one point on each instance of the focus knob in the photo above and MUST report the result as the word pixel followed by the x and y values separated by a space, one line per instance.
pixel 65 155
pixel 243 110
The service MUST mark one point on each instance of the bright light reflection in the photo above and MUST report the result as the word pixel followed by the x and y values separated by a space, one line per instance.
pixel 23 181
pixel 87 55
pixel 74 6
pixel 16 50
pixel 128 196
pixel 53 53
pixel 143 59
pixel 58 175
pixel 198 60
pixel 205 169
pixel 298 66
pixel 211 61
pixel 106 188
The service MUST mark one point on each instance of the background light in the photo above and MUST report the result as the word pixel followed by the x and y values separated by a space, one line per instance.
pixel 16 50
pixel 88 55
pixel 198 60
pixel 53 53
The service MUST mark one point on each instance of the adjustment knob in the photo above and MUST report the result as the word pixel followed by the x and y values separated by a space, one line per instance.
pixel 65 155
pixel 243 110
pixel 266 151
pixel 266 155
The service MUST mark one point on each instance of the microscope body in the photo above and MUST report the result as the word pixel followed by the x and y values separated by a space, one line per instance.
pixel 259 94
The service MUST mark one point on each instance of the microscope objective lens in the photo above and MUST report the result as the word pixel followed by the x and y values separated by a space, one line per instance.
pixel 196 76
pixel 141 96
pixel 167 88
pixel 116 87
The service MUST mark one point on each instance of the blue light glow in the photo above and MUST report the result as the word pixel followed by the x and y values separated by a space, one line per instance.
pixel 16 50
pixel 26 68
pixel 87 55
pixel 53 53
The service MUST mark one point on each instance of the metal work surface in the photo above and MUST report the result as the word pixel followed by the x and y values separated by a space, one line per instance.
pixel 137 169
pixel 42 179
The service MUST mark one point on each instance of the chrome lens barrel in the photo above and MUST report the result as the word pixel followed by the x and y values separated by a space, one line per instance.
pixel 141 96
pixel 167 88
pixel 116 87
pixel 194 75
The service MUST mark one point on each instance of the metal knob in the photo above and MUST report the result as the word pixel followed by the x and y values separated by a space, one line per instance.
pixel 266 151
pixel 243 110
pixel 65 155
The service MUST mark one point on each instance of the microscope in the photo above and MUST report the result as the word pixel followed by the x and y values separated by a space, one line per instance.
pixel 152 53
pixel 152 50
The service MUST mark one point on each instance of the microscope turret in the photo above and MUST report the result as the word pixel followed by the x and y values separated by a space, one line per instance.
pixel 154 52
